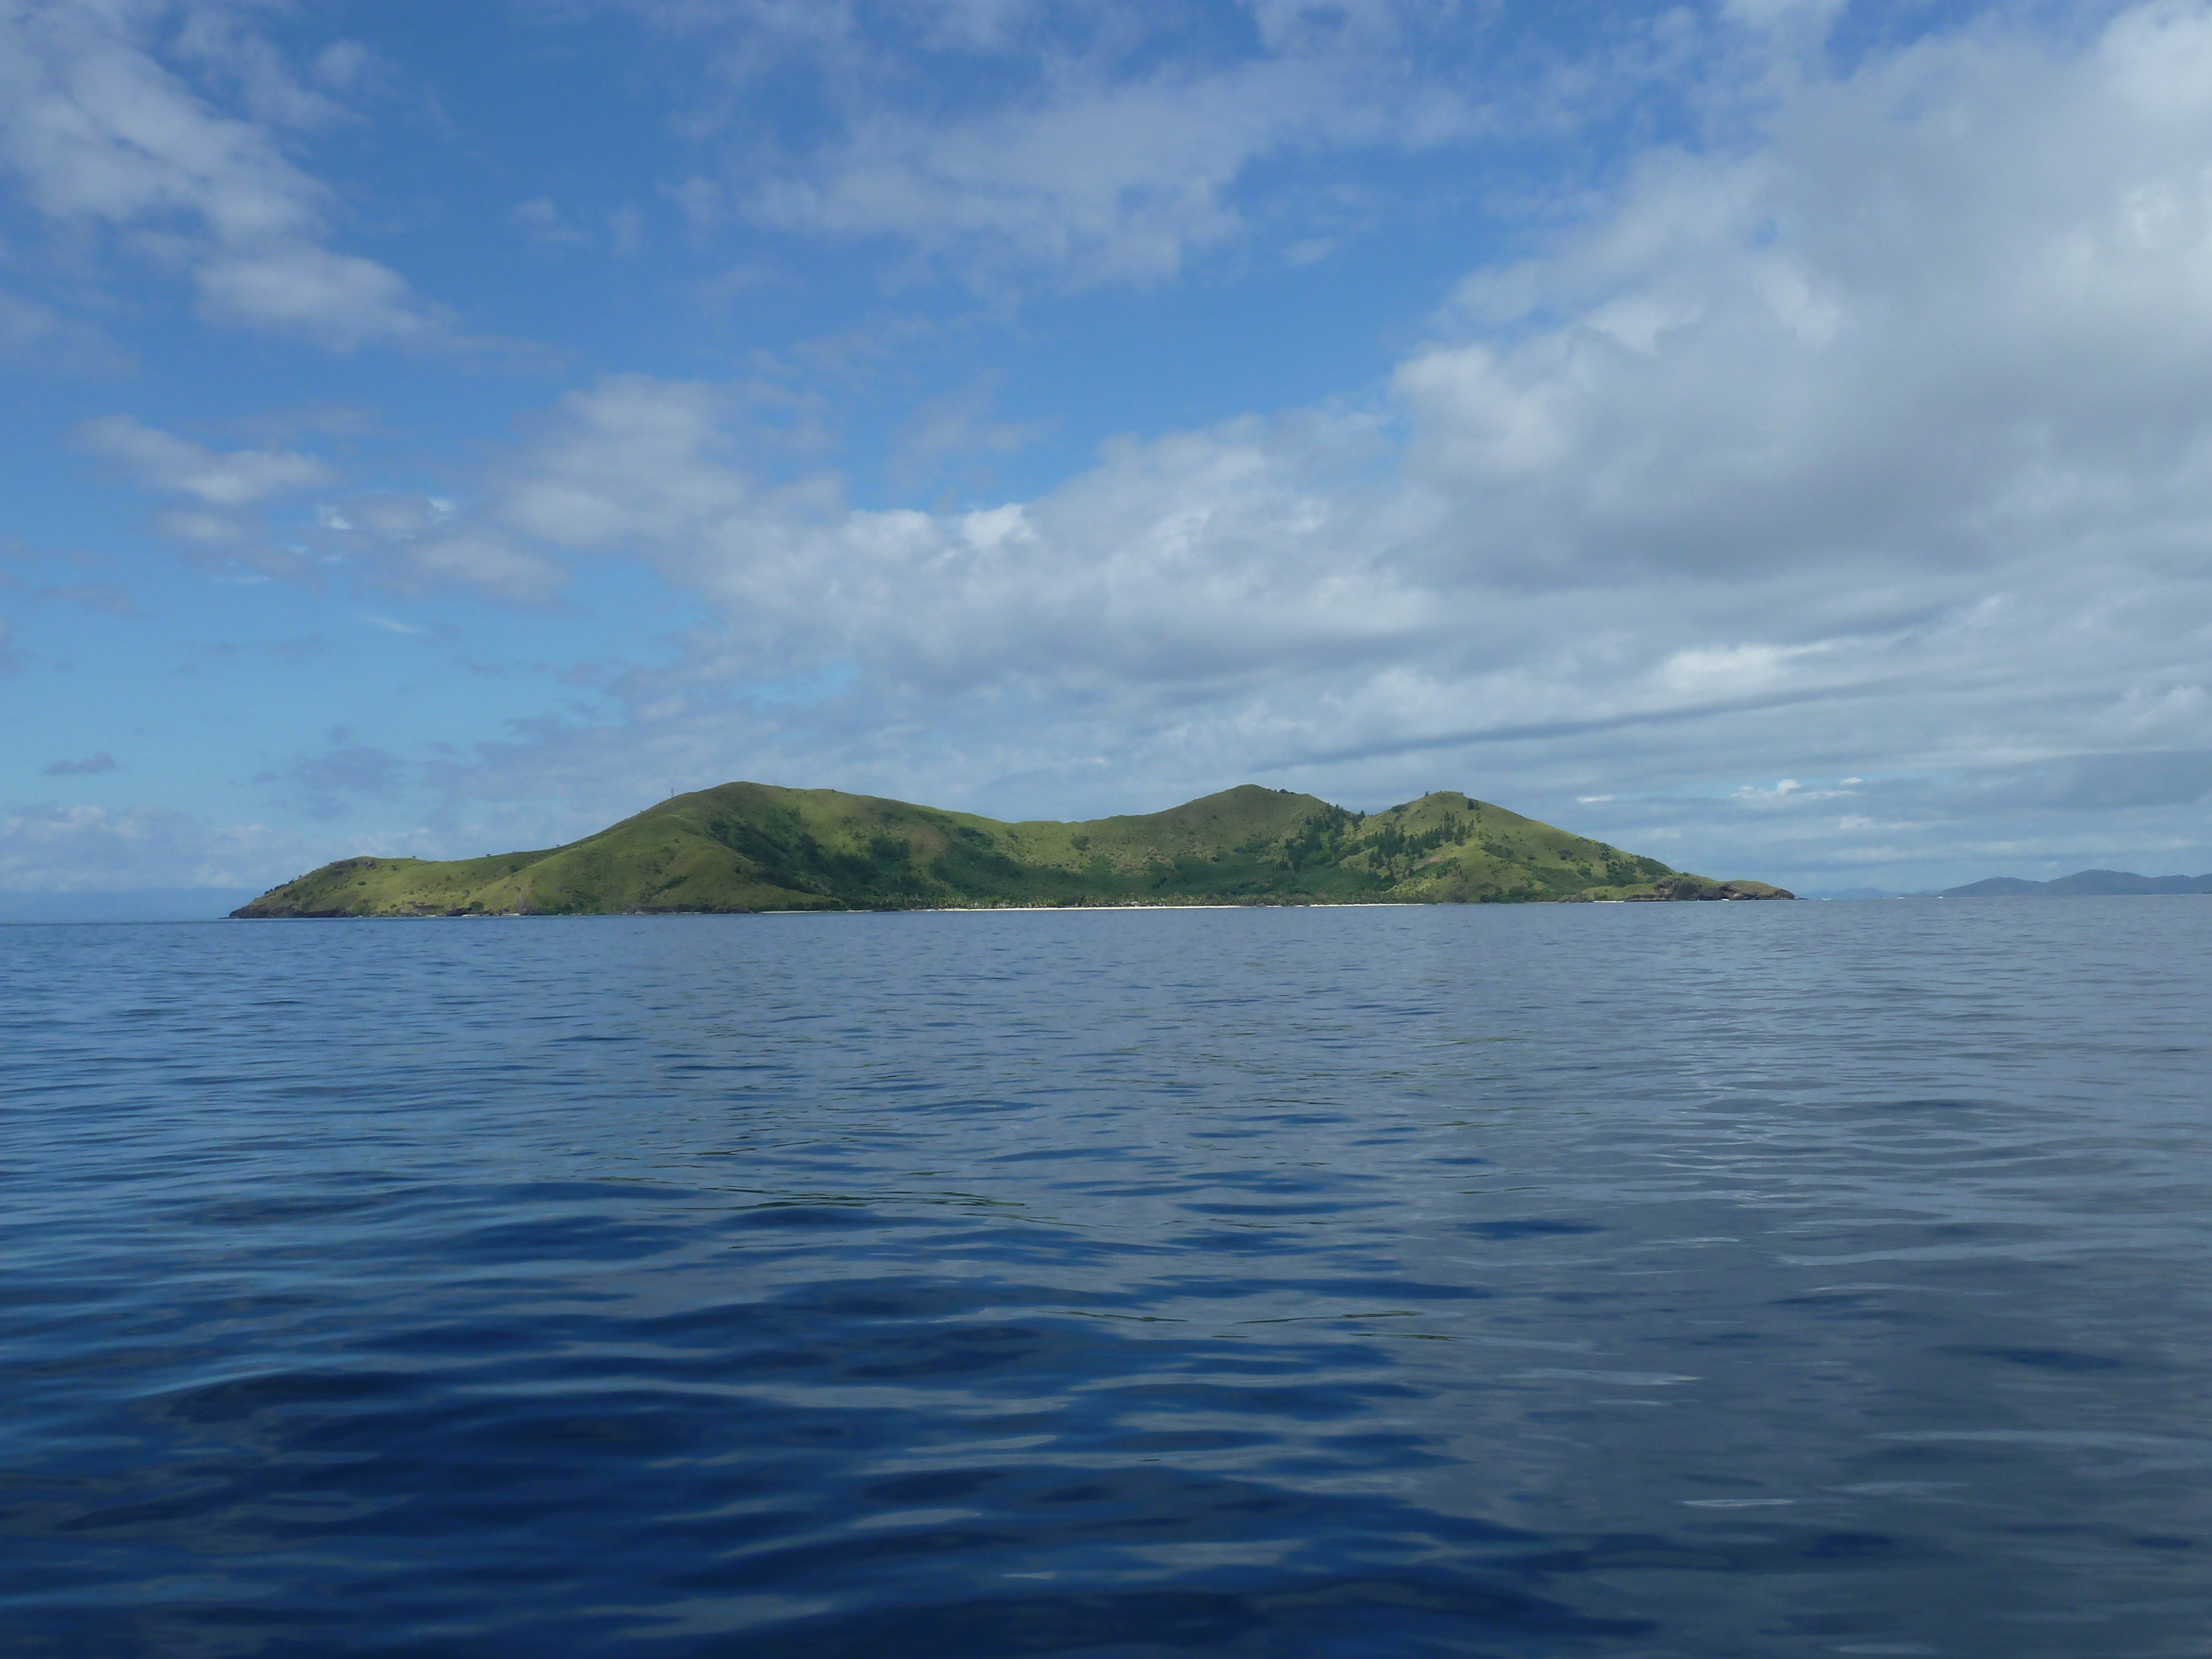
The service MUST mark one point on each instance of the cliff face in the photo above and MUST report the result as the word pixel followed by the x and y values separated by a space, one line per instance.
pixel 756 847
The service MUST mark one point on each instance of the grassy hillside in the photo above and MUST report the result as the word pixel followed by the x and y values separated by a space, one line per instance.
pixel 754 847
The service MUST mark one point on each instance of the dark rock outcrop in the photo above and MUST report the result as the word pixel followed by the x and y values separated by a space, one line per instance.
pixel 1697 887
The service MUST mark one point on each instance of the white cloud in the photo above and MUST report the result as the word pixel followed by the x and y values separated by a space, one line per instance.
pixel 1103 144
pixel 242 477
pixel 34 334
pixel 98 130
pixel 1200 556
pixel 1788 791
pixel 344 65
pixel 409 543
pixel 957 430
pixel 1773 13
pixel 1947 308
pixel 543 222
pixel 60 848
pixel 1122 184
pixel 221 515
pixel 625 232
pixel 24 323
pixel 412 543
pixel 337 299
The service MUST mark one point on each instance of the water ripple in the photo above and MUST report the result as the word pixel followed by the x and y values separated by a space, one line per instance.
pixel 1651 1281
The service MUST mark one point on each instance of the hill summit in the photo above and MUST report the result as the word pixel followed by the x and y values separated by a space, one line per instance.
pixel 744 847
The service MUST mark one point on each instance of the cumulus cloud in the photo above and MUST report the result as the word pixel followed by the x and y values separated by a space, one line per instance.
pixel 99 131
pixel 1197 557
pixel 1872 338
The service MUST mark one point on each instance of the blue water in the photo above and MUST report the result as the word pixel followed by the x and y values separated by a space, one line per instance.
pixel 1643 1281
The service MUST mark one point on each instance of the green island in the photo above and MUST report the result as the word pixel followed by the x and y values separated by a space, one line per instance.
pixel 745 847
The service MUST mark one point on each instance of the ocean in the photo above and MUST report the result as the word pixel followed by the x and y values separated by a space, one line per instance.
pixel 1653 1280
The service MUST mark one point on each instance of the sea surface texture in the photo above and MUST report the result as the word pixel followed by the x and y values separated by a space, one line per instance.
pixel 1694 1280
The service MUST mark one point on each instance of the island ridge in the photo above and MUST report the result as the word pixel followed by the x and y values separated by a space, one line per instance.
pixel 744 847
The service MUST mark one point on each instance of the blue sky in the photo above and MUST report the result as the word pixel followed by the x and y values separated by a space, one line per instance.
pixel 1769 434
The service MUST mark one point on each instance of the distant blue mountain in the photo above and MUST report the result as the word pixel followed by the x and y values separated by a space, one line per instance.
pixel 2082 884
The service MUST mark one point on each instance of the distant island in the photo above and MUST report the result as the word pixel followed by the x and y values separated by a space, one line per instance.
pixel 2082 884
pixel 745 847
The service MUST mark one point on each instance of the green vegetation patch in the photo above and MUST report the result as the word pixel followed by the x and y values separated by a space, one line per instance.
pixel 756 847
